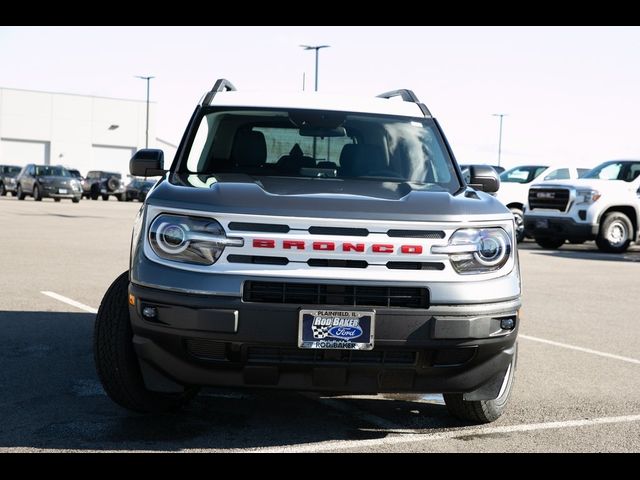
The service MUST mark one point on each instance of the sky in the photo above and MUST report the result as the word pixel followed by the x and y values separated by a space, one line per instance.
pixel 571 95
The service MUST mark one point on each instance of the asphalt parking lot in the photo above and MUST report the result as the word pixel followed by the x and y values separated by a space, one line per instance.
pixel 577 385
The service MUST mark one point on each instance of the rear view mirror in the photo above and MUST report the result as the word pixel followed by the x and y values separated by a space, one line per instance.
pixel 314 131
pixel 484 178
pixel 148 162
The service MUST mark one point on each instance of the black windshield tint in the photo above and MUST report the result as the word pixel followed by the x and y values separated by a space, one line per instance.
pixel 43 170
pixel 626 171
pixel 524 174
pixel 319 144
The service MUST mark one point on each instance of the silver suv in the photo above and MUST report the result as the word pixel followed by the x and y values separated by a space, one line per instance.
pixel 313 242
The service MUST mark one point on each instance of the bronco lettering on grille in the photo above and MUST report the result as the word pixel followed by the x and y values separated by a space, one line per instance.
pixel 326 246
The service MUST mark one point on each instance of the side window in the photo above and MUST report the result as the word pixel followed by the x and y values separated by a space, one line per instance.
pixel 559 174
pixel 634 171
pixel 582 172
pixel 31 171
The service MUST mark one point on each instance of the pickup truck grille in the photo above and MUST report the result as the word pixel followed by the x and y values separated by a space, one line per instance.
pixel 328 294
pixel 551 198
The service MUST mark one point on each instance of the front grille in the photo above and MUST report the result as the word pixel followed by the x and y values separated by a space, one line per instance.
pixel 415 265
pixel 551 198
pixel 350 232
pixel 257 259
pixel 433 234
pixel 275 355
pixel 336 263
pixel 324 294
pixel 258 227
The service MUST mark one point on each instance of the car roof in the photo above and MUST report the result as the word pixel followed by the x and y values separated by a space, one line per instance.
pixel 317 101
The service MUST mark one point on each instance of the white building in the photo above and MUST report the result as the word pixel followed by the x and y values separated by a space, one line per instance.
pixel 77 131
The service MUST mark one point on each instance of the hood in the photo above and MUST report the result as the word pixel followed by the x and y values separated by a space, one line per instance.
pixel 587 183
pixel 334 198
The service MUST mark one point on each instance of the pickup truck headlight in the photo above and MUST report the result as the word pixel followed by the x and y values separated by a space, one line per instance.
pixel 475 250
pixel 587 196
pixel 189 239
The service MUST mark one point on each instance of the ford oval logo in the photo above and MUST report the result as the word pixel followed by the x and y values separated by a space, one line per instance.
pixel 347 333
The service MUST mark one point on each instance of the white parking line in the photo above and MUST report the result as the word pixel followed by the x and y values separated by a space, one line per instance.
pixel 581 349
pixel 71 302
pixel 463 432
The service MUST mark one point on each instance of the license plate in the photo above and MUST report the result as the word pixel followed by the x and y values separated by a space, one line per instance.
pixel 543 223
pixel 62 190
pixel 336 329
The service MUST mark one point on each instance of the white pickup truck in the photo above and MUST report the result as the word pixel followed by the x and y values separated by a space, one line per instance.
pixel 515 183
pixel 603 206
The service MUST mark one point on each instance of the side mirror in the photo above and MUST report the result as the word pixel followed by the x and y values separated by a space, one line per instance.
pixel 484 178
pixel 147 162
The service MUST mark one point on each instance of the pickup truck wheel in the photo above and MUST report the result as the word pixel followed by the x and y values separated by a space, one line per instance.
pixel 551 243
pixel 615 233
pixel 95 191
pixel 116 360
pixel 105 197
pixel 518 216
pixel 3 191
pixel 482 411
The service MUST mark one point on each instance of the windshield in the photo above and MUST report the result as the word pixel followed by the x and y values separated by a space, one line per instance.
pixel 45 170
pixel 522 174
pixel 322 145
pixel 627 171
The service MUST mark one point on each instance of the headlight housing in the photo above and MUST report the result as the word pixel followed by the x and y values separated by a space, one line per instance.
pixel 185 239
pixel 587 196
pixel 477 250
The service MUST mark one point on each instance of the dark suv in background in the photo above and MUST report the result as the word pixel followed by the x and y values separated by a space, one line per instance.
pixel 42 181
pixel 99 183
pixel 138 188
pixel 8 174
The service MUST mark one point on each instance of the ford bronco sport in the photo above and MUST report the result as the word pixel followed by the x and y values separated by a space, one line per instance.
pixel 314 243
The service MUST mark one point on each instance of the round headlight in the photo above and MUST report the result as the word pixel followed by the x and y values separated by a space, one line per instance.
pixel 172 238
pixel 491 250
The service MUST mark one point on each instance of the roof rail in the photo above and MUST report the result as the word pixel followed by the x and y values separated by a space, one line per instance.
pixel 407 96
pixel 221 85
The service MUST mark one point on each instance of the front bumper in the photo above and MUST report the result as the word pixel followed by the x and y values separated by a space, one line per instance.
pixel 224 341
pixel 557 227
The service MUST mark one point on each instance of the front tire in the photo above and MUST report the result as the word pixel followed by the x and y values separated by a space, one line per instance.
pixel 3 190
pixel 36 194
pixel 518 217
pixel 21 194
pixel 615 233
pixel 550 243
pixel 105 197
pixel 483 411
pixel 116 360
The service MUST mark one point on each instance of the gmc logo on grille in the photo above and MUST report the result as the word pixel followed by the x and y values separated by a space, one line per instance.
pixel 546 195
pixel 323 246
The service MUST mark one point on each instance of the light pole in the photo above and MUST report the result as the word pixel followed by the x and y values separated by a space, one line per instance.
pixel 500 134
pixel 148 79
pixel 316 48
